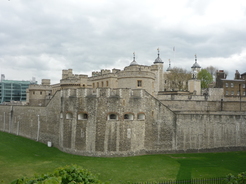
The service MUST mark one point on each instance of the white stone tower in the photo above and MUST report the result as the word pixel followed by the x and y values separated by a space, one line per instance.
pixel 194 85
pixel 159 72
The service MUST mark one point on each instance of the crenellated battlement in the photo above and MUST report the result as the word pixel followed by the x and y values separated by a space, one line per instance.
pixel 136 74
pixel 102 92
pixel 104 72
pixel 68 74
pixel 39 87
pixel 103 76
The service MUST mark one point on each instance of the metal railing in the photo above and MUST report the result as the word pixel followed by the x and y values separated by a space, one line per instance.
pixel 191 181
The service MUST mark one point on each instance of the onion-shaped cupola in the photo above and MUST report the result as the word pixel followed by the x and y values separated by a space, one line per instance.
pixel 195 69
pixel 158 59
pixel 133 63
pixel 195 66
pixel 169 67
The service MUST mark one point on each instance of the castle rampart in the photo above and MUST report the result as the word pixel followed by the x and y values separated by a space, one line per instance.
pixel 123 122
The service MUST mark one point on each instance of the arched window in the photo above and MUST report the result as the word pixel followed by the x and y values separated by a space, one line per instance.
pixel 82 116
pixel 141 116
pixel 128 116
pixel 113 116
pixel 69 115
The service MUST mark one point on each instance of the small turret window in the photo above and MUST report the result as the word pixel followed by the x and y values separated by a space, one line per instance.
pixel 69 115
pixel 82 116
pixel 113 116
pixel 128 116
pixel 141 116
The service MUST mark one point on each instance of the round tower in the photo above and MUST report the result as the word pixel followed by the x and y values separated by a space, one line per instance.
pixel 136 76
pixel 158 69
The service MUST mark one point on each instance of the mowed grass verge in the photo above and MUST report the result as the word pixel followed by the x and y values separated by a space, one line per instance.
pixel 23 157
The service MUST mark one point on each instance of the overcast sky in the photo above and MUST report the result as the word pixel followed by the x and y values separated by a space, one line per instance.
pixel 40 38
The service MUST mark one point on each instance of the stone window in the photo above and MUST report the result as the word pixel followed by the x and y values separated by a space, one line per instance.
pixel 61 115
pixel 243 85
pixel 97 84
pixel 232 85
pixel 102 84
pixel 40 92
pixel 93 85
pixel 33 92
pixel 106 83
pixel 113 116
pixel 244 93
pixel 82 116
pixel 141 116
pixel 227 93
pixel 232 93
pixel 139 83
pixel 128 116
pixel 69 115
pixel 226 84
pixel 238 93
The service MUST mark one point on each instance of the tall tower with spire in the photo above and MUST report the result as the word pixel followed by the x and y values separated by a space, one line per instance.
pixel 158 63
pixel 195 69
pixel 194 85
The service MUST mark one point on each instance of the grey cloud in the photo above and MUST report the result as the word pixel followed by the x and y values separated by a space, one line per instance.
pixel 86 36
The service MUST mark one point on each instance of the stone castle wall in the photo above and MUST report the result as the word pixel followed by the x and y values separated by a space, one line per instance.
pixel 151 127
pixel 37 123
pixel 99 135
pixel 215 131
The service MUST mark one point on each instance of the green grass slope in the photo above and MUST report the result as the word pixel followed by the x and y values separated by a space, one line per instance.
pixel 23 157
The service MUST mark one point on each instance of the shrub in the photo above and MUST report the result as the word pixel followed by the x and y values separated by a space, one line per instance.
pixel 239 179
pixel 64 175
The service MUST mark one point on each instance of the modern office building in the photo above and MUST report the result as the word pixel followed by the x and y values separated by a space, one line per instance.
pixel 13 90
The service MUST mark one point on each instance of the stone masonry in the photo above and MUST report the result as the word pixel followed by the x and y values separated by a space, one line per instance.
pixel 123 122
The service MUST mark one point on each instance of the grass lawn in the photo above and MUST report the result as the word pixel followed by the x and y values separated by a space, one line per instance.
pixel 23 157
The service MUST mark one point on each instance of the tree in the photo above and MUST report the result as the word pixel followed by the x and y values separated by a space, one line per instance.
pixel 64 175
pixel 177 79
pixel 212 70
pixel 205 77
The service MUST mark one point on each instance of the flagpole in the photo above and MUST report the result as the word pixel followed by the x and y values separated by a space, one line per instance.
pixel 174 53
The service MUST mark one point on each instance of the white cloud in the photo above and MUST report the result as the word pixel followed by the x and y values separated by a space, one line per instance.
pixel 40 38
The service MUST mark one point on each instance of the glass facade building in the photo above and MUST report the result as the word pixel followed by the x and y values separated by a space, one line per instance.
pixel 12 90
